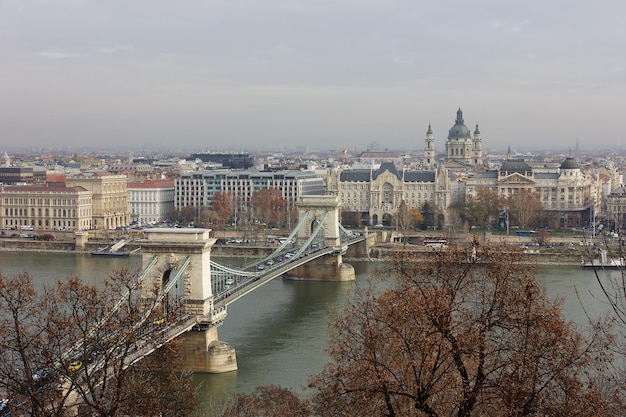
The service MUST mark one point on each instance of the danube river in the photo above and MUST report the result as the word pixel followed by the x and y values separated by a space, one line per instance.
pixel 280 331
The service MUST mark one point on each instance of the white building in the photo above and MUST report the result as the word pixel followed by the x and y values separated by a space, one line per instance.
pixel 151 201
pixel 197 188
pixel 568 194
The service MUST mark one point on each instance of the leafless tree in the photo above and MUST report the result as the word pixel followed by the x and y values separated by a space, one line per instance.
pixel 524 208
pixel 73 347
pixel 461 333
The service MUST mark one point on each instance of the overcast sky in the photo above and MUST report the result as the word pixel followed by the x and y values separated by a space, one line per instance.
pixel 196 75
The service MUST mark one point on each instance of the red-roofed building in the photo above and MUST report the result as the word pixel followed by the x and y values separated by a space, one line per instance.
pixel 151 201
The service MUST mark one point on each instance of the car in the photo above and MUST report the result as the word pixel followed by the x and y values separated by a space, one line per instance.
pixel 75 365
pixel 230 281
pixel 379 225
pixel 270 262
pixel 201 327
pixel 260 267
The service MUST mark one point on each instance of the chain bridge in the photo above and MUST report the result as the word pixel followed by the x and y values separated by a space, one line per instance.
pixel 178 262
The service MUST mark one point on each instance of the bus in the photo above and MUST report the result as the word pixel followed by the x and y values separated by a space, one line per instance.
pixel 525 233
pixel 436 243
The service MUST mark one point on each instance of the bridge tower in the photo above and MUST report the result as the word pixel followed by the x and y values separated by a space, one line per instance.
pixel 188 252
pixel 323 209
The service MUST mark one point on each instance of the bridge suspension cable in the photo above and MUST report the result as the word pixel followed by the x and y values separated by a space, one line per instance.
pixel 282 246
pixel 78 345
pixel 308 242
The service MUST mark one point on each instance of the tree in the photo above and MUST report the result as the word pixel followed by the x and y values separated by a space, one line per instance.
pixel 461 338
pixel 187 215
pixel 67 349
pixel 524 208
pixel 542 237
pixel 268 401
pixel 407 219
pixel 269 206
pixel 461 333
pixel 206 218
pixel 221 207
pixel 428 212
pixel 481 209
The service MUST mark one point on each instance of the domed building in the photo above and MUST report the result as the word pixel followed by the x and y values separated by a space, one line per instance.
pixel 462 149
pixel 568 194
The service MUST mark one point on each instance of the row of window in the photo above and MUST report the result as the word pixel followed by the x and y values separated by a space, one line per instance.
pixel 23 201
pixel 44 223
pixel 23 212
pixel 388 187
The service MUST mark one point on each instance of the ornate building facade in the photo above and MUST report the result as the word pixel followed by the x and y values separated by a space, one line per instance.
pixel 373 196
pixel 111 198
pixel 463 150
pixel 569 195
pixel 45 207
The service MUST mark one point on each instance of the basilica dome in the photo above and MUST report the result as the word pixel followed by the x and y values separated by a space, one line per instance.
pixel 459 130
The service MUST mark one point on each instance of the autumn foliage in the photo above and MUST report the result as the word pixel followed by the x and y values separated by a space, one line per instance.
pixel 464 332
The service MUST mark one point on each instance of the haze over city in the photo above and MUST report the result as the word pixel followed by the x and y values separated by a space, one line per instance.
pixel 277 74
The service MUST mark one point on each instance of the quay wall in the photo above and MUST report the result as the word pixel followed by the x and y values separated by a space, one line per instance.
pixel 558 257
pixel 376 252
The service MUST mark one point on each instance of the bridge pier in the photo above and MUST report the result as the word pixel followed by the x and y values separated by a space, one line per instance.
pixel 188 251
pixel 327 268
pixel 203 352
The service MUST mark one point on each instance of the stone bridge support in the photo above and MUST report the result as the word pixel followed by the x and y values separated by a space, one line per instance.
pixel 331 268
pixel 201 349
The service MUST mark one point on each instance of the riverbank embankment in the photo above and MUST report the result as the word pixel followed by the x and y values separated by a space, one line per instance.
pixel 560 254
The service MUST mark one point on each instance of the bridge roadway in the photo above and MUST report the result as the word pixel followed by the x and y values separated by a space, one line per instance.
pixel 248 284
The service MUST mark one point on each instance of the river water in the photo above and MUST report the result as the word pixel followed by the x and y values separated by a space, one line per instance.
pixel 280 331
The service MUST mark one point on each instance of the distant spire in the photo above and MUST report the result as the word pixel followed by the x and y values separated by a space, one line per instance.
pixel 459 116
pixel 508 154
pixel 430 131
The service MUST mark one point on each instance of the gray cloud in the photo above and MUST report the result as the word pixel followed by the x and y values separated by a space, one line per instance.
pixel 246 74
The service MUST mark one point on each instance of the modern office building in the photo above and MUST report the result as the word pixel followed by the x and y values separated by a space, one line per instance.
pixel 198 187
pixel 227 160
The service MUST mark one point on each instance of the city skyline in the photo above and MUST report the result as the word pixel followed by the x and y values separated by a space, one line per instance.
pixel 282 75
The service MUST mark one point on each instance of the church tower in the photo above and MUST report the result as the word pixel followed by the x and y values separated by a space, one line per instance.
pixel 478 148
pixel 429 149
